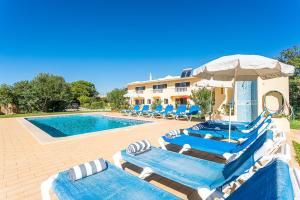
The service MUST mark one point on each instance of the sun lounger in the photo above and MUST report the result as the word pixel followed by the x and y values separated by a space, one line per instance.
pixel 194 110
pixel 181 109
pixel 273 181
pixel 112 183
pixel 222 149
pixel 134 110
pixel 158 109
pixel 235 135
pixel 202 175
pixel 168 110
pixel 144 110
pixel 224 125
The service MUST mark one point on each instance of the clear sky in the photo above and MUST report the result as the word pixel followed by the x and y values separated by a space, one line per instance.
pixel 111 43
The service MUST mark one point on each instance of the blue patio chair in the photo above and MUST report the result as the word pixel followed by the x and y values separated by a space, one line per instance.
pixel 133 110
pixel 202 175
pixel 168 110
pixel 222 149
pixel 181 109
pixel 194 110
pixel 270 182
pixel 158 109
pixel 235 134
pixel 112 183
pixel 143 111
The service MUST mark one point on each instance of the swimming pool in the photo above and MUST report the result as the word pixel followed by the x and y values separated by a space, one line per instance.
pixel 64 126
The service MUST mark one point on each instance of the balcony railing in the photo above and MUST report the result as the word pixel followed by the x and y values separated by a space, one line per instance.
pixel 157 90
pixel 180 89
pixel 139 91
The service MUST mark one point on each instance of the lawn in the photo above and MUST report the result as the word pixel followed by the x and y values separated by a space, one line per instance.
pixel 297 150
pixel 295 124
pixel 47 113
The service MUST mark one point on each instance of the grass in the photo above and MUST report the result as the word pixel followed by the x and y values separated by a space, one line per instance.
pixel 295 124
pixel 297 150
pixel 47 113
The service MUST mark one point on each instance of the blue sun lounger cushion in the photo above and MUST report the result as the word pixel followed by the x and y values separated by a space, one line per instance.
pixel 270 182
pixel 220 148
pixel 235 135
pixel 112 183
pixel 87 169
pixel 138 147
pixel 224 125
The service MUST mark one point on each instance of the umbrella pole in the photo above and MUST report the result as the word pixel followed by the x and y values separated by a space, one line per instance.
pixel 229 131
pixel 230 107
pixel 210 107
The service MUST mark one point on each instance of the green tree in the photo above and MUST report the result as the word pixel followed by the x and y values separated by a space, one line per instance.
pixel 26 100
pixel 204 98
pixel 292 56
pixel 83 88
pixel 6 95
pixel 116 99
pixel 155 103
pixel 52 91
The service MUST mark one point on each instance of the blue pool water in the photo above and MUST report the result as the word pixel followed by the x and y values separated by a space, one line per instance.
pixel 63 126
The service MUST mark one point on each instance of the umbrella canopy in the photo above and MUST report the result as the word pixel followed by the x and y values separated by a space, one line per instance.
pixel 243 67
pixel 246 67
pixel 214 83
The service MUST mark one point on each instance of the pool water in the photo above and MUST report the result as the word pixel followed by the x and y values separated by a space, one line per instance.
pixel 63 126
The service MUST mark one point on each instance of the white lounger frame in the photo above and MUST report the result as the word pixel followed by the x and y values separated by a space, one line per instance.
pixel 46 187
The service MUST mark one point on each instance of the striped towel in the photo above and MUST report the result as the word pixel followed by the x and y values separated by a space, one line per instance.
pixel 198 127
pixel 173 133
pixel 86 169
pixel 138 147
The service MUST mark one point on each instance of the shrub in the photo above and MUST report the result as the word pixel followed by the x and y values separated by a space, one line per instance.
pixel 155 103
pixel 117 100
pixel 97 105
pixel 203 97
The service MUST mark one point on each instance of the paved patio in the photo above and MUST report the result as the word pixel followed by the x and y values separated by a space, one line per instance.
pixel 25 163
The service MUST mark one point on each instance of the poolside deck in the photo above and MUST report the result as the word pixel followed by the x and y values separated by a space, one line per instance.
pixel 25 162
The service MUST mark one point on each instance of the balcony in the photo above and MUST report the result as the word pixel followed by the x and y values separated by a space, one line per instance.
pixel 139 91
pixel 158 90
pixel 181 89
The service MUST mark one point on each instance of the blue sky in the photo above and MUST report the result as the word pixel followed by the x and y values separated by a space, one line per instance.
pixel 111 43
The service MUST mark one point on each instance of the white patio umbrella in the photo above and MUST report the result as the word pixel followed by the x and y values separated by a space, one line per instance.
pixel 214 83
pixel 243 67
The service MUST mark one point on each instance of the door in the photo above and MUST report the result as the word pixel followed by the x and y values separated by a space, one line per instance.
pixel 246 100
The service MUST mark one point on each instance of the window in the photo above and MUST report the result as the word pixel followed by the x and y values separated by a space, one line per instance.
pixel 166 101
pixel 180 101
pixel 162 86
pixel 186 73
pixel 149 101
pixel 139 101
pixel 182 84
pixel 140 88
